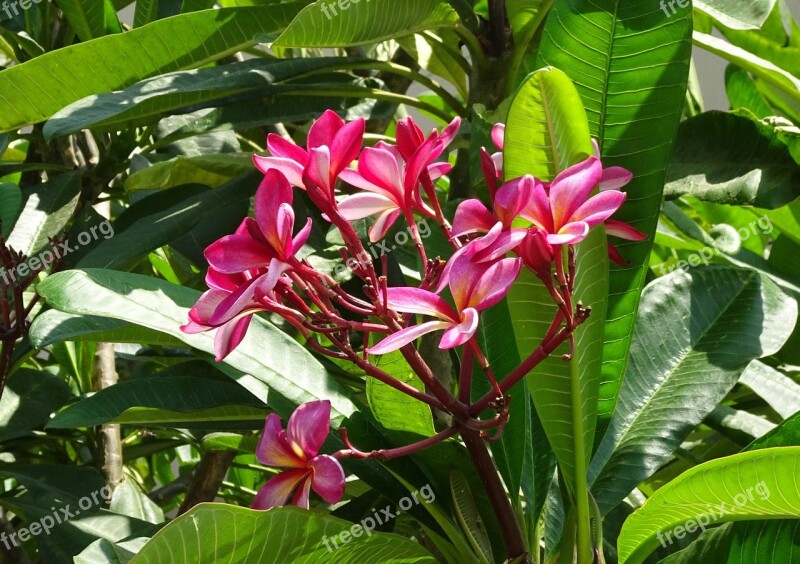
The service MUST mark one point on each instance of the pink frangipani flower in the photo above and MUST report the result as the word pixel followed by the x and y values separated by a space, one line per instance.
pixel 568 212
pixel 297 450
pixel 475 287
pixel 228 306
pixel 332 145
pixel 267 241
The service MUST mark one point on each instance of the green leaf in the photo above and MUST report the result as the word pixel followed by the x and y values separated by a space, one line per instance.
pixel 785 434
pixel 10 203
pixel 521 13
pixel 469 517
pixel 54 326
pixel 546 132
pixel 149 100
pixel 736 14
pixel 209 170
pixel 743 92
pixel 748 541
pixel 281 375
pixel 46 84
pixel 731 159
pixel 166 224
pixel 128 499
pixel 46 213
pixel 325 24
pixel 394 410
pixel 761 484
pixel 103 551
pixel 757 66
pixel 778 390
pixel 286 534
pixel 696 333
pixel 161 399
pixel 90 18
pixel 630 65
pixel 28 400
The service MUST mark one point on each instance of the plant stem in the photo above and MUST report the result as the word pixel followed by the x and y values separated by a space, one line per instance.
pixel 110 434
pixel 208 478
pixel 582 510
pixel 509 526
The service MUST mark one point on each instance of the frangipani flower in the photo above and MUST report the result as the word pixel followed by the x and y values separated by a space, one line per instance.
pixel 332 146
pixel 267 241
pixel 509 202
pixel 492 164
pixel 475 286
pixel 536 253
pixel 228 305
pixel 297 449
pixel 567 213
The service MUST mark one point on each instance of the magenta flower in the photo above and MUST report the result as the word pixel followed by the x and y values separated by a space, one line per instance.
pixel 267 241
pixel 297 449
pixel 332 146
pixel 509 202
pixel 492 164
pixel 475 286
pixel 536 253
pixel 228 306
pixel 568 212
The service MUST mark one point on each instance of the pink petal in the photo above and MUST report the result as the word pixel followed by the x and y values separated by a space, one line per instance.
pixel 302 494
pixel 416 300
pixel 493 285
pixel 409 136
pixel 599 208
pixel 499 135
pixel 624 231
pixel 422 157
pixel 571 188
pixel 276 492
pixel 537 210
pixel 512 198
pixel 449 133
pixel 273 447
pixel 346 145
pixel 615 257
pixel 364 205
pixel 408 335
pixel 437 170
pixel 291 170
pixel 353 177
pixel 322 133
pixel 328 478
pixel 204 308
pixel 230 335
pixel 244 299
pixel 318 169
pixel 280 231
pixel 237 253
pixel 459 334
pixel 614 178
pixel 302 236
pixel 570 234
pixel 280 147
pixel 536 252
pixel 274 194
pixel 505 242
pixel 309 426
pixel 222 280
pixel 472 216
pixel 192 328
pixel 382 224
pixel 379 167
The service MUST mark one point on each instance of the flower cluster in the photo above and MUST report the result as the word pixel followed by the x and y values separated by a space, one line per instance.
pixel 530 223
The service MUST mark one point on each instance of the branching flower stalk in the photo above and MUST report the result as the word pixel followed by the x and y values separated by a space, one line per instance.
pixel 532 224
pixel 14 311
